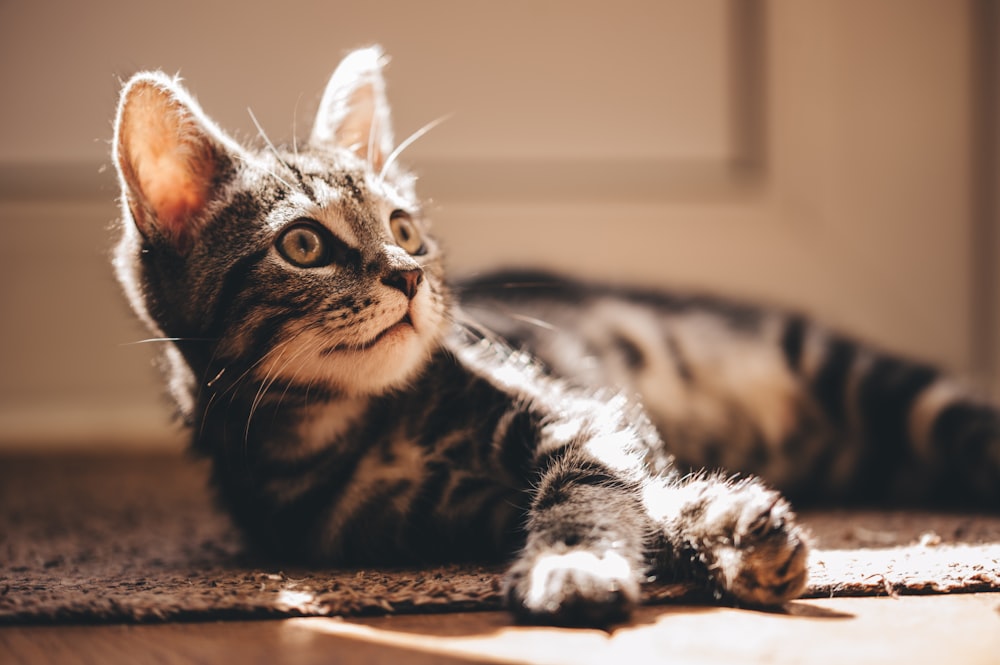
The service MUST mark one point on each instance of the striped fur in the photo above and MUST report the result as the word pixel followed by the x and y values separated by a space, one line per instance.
pixel 355 414
pixel 817 414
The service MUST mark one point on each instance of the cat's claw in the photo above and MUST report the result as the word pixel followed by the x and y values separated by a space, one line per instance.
pixel 576 587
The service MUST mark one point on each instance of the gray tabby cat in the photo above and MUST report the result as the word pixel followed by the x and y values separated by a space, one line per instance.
pixel 355 415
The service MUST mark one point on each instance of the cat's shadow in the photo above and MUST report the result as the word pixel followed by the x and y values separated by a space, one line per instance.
pixel 650 615
pixel 479 625
pixel 805 609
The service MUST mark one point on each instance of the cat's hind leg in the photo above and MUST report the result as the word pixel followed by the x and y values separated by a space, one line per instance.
pixel 739 537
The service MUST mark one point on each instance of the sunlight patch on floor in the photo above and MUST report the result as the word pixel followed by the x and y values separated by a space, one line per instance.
pixel 511 644
pixel 914 629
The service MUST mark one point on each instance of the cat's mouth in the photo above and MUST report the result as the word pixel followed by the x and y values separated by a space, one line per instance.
pixel 398 326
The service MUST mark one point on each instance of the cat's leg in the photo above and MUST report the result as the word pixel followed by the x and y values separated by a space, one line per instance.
pixel 586 549
pixel 740 537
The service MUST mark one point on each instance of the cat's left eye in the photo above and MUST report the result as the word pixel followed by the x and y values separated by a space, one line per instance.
pixel 303 245
pixel 406 233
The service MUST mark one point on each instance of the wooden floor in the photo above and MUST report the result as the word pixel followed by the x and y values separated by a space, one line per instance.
pixel 913 630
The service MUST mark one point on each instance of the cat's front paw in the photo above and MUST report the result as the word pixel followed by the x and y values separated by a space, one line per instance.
pixel 762 560
pixel 575 587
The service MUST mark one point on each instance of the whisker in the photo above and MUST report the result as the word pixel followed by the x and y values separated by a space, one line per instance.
pixel 242 377
pixel 530 285
pixel 205 383
pixel 295 117
pixel 277 371
pixel 313 347
pixel 253 406
pixel 204 419
pixel 273 374
pixel 475 329
pixel 524 318
pixel 511 285
pixel 260 131
pixel 408 142
pixel 265 385
pixel 270 172
pixel 372 131
pixel 533 321
pixel 150 340
pixel 263 135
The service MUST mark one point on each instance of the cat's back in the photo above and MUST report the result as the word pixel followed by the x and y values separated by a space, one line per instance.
pixel 601 334
pixel 722 380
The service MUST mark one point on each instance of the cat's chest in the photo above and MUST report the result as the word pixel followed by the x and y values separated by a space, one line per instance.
pixel 325 424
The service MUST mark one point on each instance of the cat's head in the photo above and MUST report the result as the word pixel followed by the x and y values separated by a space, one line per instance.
pixel 309 265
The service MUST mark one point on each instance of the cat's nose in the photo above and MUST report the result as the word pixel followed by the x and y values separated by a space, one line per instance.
pixel 406 281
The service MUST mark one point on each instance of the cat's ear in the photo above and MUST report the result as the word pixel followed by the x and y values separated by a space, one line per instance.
pixel 169 156
pixel 354 112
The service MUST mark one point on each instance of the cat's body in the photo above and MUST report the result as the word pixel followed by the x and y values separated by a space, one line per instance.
pixel 819 415
pixel 355 414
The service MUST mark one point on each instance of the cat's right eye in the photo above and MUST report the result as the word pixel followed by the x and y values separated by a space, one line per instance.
pixel 304 245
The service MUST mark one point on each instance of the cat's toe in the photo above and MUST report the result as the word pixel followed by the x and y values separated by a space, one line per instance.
pixel 572 588
pixel 766 562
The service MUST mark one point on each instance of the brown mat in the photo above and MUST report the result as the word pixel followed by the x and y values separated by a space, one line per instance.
pixel 135 538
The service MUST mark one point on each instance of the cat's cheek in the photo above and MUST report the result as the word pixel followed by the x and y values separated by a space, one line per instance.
pixel 426 315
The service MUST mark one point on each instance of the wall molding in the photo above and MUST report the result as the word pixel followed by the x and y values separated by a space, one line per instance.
pixel 598 179
pixel 459 181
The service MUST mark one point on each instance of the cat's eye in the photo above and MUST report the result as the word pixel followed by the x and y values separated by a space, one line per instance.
pixel 407 235
pixel 304 245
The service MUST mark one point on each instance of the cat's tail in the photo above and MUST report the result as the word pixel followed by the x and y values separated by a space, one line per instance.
pixel 910 431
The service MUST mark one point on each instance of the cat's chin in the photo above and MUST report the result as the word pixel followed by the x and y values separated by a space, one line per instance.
pixel 387 361
pixel 396 357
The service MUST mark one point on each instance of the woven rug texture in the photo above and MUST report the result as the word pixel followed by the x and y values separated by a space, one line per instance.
pixel 136 538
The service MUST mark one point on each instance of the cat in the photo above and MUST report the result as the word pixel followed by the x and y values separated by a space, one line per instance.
pixel 359 408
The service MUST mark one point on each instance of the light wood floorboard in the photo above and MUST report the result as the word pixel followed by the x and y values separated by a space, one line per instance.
pixel 916 629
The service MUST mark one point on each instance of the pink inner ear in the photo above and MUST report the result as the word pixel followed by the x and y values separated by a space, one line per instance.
pixel 174 191
pixel 170 164
pixel 360 131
